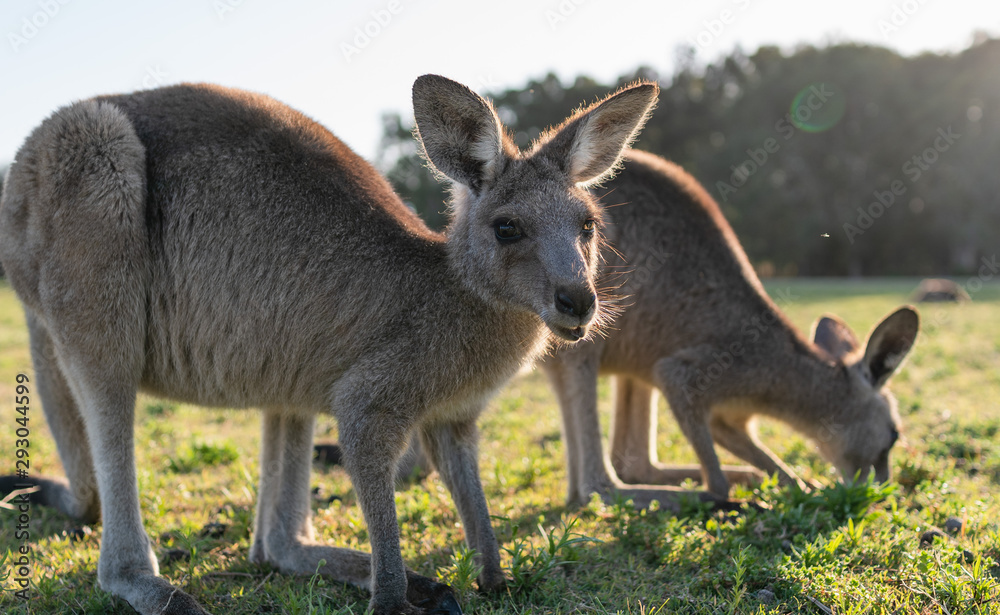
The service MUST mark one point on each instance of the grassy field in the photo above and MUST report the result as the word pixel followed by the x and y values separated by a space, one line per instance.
pixel 837 550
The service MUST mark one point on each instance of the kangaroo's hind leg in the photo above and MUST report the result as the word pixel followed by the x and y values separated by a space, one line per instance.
pixel 633 442
pixel 633 431
pixel 127 565
pixel 284 533
pixel 76 495
pixel 573 377
pixel 82 267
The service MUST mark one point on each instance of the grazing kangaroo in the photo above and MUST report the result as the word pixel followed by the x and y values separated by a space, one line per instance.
pixel 699 327
pixel 217 247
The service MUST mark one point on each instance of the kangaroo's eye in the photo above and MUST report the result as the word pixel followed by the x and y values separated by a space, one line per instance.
pixel 506 230
pixel 589 226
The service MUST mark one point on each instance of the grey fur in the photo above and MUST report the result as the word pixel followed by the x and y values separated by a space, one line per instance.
pixel 217 247
pixel 699 327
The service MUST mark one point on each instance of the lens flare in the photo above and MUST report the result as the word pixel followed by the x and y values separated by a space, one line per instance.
pixel 817 107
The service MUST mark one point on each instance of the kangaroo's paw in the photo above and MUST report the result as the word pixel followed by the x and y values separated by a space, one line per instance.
pixel 180 603
pixel 435 598
pixel 152 595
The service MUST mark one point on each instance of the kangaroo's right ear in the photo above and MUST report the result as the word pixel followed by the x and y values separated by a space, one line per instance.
pixel 889 344
pixel 589 145
pixel 834 336
pixel 460 132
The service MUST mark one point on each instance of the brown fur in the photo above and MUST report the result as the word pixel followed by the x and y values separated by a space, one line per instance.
pixel 217 247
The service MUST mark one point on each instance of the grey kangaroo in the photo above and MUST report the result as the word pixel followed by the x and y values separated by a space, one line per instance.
pixel 217 247
pixel 699 327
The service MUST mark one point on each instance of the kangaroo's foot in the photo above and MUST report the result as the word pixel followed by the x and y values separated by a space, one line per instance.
pixel 151 594
pixel 656 473
pixel 425 596
pixel 435 598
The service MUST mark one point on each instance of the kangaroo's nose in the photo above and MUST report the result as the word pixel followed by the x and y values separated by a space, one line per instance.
pixel 575 302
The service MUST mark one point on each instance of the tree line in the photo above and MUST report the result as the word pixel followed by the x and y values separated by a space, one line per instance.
pixel 845 160
pixel 840 160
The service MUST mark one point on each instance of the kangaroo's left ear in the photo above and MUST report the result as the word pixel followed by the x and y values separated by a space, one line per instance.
pixel 889 344
pixel 459 131
pixel 834 336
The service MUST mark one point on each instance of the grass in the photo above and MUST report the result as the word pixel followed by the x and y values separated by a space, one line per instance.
pixel 838 550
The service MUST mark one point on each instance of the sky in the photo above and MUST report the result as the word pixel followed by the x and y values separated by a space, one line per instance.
pixel 346 63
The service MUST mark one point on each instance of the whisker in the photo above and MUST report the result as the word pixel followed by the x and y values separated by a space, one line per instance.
pixel 615 251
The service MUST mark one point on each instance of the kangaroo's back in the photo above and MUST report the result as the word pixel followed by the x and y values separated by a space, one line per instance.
pixel 676 255
pixel 240 209
pixel 252 155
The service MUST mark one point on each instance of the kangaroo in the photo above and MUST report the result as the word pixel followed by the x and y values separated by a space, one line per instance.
pixel 216 247
pixel 699 327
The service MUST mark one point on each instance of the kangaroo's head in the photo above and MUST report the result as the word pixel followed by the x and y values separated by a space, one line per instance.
pixel 524 232
pixel 864 423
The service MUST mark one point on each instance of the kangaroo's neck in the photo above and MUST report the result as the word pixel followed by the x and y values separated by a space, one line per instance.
pixel 799 384
pixel 476 340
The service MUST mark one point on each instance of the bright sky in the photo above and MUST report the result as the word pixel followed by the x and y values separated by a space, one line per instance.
pixel 315 55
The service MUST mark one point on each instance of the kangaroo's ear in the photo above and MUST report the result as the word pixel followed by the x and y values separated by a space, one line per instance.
pixel 589 145
pixel 889 343
pixel 460 132
pixel 834 336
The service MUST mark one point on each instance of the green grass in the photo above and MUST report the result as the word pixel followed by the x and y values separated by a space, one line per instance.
pixel 838 550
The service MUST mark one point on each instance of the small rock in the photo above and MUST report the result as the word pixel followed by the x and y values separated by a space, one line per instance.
pixel 928 537
pixel 174 555
pixel 323 500
pixel 766 596
pixel 550 437
pixel 214 530
pixel 934 290
pixel 968 556
pixel 953 525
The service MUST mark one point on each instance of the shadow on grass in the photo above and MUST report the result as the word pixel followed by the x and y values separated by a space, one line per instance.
pixel 662 558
